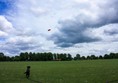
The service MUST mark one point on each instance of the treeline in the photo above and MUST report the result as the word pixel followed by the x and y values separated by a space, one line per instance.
pixel 53 57
pixel 93 57
pixel 37 57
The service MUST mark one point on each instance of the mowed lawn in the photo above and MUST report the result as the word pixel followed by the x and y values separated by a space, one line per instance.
pixel 84 71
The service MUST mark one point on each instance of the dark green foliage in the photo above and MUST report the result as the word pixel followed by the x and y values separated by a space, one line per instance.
pixel 100 57
pixel 106 56
pixel 93 57
pixel 4 58
pixel 69 57
pixel 83 58
pixel 88 57
pixel 77 57
pixel 37 57
pixel 53 57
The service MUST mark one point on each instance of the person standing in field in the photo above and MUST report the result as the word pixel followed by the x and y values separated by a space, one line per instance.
pixel 27 72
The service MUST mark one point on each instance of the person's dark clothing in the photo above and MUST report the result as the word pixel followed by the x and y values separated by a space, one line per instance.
pixel 27 72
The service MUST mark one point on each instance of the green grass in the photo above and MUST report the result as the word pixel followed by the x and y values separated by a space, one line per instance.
pixel 86 71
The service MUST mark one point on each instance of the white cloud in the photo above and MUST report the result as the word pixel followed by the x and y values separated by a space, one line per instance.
pixel 5 25
pixel 38 11
pixel 3 34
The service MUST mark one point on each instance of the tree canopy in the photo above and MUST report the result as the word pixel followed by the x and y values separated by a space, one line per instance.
pixel 31 56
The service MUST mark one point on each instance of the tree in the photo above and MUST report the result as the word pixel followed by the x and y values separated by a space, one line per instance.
pixel 27 56
pixel 116 56
pixel 2 57
pixel 88 57
pixel 58 57
pixel 17 58
pixel 7 58
pixel 49 56
pixel 38 57
pixel 100 57
pixel 77 57
pixel 83 58
pixel 22 58
pixel 93 57
pixel 69 57
pixel 112 55
pixel 30 56
pixel 62 56
pixel 106 56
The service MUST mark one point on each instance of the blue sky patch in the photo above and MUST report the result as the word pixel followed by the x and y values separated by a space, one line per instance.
pixel 2 39
pixel 5 5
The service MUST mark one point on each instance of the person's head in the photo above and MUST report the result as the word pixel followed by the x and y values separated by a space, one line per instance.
pixel 28 67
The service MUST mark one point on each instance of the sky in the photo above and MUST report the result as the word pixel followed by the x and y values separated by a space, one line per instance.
pixel 82 27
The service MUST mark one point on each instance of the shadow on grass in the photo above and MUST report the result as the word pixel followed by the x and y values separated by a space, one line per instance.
pixel 113 81
pixel 35 81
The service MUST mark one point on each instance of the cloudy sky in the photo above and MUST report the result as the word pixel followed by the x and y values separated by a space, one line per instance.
pixel 77 26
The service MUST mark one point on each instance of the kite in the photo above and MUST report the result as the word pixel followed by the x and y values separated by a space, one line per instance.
pixel 49 29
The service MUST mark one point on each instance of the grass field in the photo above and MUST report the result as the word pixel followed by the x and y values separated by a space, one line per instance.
pixel 86 71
